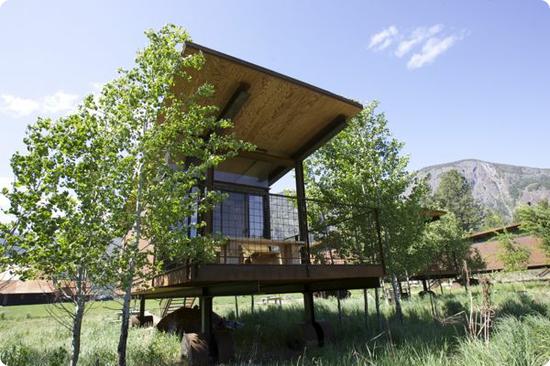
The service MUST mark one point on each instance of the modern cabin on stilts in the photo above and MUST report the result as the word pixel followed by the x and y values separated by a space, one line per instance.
pixel 268 240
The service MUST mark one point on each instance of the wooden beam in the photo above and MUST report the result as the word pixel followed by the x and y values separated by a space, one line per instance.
pixel 277 174
pixel 236 102
pixel 321 138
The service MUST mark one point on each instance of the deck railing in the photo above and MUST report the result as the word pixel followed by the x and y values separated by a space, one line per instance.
pixel 266 229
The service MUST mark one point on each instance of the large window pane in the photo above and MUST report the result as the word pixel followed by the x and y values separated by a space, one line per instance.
pixel 233 215
pixel 256 216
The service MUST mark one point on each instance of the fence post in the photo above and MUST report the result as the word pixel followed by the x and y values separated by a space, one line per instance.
pixel 377 304
pixel 366 301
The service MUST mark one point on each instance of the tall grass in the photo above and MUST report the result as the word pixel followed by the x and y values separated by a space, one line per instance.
pixel 521 335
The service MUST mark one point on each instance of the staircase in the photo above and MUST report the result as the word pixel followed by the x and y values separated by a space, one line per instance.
pixel 170 305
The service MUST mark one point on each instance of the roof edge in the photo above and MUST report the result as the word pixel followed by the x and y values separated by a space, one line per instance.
pixel 494 230
pixel 274 73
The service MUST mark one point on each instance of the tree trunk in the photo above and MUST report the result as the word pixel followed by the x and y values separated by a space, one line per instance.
pixel 132 249
pixel 408 284
pixel 123 340
pixel 465 276
pixel 397 297
pixel 80 305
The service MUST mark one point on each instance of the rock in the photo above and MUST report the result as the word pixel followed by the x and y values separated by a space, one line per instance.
pixel 187 320
pixel 195 350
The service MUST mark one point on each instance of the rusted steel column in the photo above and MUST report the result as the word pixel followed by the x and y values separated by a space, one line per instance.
pixel 267 216
pixel 209 187
pixel 205 303
pixel 302 208
pixel 141 309
pixel 366 303
pixel 309 307
pixel 339 308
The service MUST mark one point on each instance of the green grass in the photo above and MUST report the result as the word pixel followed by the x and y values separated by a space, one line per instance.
pixel 521 335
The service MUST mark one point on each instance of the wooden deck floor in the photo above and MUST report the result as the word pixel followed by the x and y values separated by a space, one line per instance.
pixel 244 279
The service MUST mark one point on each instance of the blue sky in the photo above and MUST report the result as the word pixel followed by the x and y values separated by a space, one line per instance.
pixel 456 79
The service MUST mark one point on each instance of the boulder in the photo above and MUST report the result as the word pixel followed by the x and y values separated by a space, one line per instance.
pixel 187 320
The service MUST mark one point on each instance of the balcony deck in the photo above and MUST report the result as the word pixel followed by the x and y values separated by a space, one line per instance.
pixel 264 249
pixel 246 279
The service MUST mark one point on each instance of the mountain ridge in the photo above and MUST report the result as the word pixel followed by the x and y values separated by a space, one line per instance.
pixel 497 186
pixel 483 161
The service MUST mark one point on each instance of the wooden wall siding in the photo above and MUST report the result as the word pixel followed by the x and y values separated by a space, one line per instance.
pixel 280 116
pixel 490 251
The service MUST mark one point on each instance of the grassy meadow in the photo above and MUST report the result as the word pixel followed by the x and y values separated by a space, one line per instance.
pixel 520 335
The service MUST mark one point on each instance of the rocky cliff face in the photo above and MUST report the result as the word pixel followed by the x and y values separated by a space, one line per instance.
pixel 498 187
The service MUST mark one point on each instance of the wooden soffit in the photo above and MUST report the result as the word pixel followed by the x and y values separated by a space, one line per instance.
pixel 285 118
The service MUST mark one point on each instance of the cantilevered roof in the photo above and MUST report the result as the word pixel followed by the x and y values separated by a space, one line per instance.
pixel 285 118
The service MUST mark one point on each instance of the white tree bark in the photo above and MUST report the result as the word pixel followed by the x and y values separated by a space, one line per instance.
pixel 80 304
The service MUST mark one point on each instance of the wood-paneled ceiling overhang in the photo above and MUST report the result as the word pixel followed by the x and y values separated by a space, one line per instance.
pixel 285 118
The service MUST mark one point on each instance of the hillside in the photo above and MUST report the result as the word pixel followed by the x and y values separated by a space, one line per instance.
pixel 499 187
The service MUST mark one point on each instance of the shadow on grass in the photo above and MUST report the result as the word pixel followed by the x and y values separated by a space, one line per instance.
pixel 265 336
pixel 420 338
pixel 523 306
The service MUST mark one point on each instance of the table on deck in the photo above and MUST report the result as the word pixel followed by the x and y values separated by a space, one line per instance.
pixel 261 251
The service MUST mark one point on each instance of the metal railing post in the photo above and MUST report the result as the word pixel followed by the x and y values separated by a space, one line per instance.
pixel 302 208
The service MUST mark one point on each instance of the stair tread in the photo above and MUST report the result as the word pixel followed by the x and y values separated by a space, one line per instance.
pixel 173 304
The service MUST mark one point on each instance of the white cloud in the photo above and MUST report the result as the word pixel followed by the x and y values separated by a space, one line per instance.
pixel 383 39
pixel 58 102
pixel 433 47
pixel 547 2
pixel 426 43
pixel 2 2
pixel 416 37
pixel 18 106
